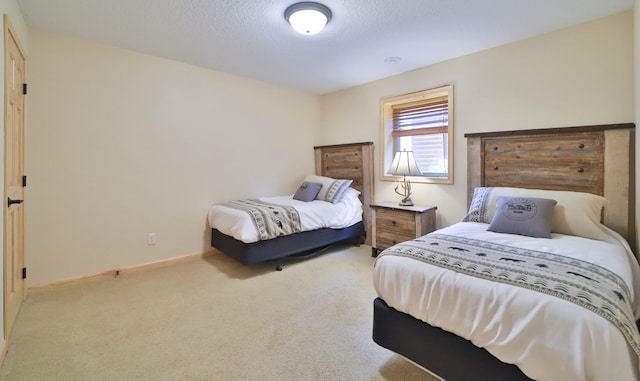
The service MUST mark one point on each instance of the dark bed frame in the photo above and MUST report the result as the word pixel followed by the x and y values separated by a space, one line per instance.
pixel 594 159
pixel 344 161
pixel 285 246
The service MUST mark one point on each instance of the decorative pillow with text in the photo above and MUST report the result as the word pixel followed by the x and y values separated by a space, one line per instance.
pixel 528 216
pixel 576 213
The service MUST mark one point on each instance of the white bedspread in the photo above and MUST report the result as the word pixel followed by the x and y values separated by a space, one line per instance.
pixel 547 337
pixel 313 215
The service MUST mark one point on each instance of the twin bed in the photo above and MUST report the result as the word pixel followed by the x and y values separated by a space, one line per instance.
pixel 490 299
pixel 537 282
pixel 323 220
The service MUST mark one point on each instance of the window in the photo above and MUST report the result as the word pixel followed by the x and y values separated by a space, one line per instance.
pixel 421 122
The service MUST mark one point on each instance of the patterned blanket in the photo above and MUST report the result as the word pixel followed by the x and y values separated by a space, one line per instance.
pixel 270 220
pixel 585 284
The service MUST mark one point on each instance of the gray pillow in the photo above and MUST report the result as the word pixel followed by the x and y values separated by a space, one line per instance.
pixel 523 215
pixel 307 191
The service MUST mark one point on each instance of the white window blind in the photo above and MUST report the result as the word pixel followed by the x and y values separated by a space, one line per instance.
pixel 423 127
pixel 421 122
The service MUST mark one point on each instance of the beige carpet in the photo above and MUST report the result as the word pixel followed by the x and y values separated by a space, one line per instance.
pixel 210 319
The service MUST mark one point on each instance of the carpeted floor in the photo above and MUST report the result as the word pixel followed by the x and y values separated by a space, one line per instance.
pixel 210 319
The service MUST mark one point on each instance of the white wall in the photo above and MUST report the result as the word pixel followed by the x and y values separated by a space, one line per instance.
pixel 121 144
pixel 577 76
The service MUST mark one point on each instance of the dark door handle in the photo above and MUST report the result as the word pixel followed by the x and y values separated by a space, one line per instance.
pixel 10 202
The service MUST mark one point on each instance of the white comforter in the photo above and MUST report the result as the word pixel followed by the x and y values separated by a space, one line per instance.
pixel 313 215
pixel 547 337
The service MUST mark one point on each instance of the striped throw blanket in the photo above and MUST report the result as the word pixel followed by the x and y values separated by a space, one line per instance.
pixel 585 284
pixel 270 220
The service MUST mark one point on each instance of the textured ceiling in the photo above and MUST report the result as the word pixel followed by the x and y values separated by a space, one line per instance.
pixel 251 38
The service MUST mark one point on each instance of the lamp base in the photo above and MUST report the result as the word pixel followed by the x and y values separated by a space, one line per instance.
pixel 406 202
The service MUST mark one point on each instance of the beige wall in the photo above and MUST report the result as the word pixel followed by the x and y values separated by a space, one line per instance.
pixel 121 144
pixel 577 76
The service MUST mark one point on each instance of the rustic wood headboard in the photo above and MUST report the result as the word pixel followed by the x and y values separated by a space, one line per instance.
pixel 352 161
pixel 593 159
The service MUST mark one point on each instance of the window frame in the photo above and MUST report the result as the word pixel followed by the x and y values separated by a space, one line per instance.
pixel 388 141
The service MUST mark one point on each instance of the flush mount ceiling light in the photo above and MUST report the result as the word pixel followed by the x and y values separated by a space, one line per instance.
pixel 307 17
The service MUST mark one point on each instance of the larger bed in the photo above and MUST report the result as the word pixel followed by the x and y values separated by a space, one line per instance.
pixel 321 223
pixel 471 304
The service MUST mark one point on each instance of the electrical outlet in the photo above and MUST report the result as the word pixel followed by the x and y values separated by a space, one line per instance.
pixel 151 239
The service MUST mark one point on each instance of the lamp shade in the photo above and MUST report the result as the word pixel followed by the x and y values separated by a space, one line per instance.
pixel 307 17
pixel 404 164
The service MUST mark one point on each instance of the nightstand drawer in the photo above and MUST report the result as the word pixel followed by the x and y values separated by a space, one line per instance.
pixel 390 238
pixel 393 224
pixel 398 221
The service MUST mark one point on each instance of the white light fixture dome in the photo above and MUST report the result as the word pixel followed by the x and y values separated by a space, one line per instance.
pixel 307 17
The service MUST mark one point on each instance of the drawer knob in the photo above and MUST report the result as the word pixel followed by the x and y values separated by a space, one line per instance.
pixel 393 222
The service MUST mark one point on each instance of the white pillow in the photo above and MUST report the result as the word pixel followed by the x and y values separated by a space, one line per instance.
pixel 351 196
pixel 332 189
pixel 576 213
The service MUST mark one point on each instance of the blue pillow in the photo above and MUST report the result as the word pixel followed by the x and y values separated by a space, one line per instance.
pixel 307 191
pixel 523 215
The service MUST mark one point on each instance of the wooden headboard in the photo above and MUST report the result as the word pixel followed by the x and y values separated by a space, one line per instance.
pixel 352 161
pixel 593 159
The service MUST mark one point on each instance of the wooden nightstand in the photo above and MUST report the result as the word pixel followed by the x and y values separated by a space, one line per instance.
pixel 392 224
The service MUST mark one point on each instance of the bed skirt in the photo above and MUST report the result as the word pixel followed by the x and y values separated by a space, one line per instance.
pixel 285 246
pixel 443 353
